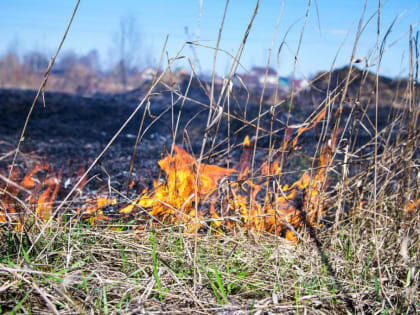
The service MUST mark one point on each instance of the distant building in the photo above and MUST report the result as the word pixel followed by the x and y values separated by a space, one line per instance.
pixel 148 74
pixel 256 78
pixel 181 71
pixel 259 77
pixel 250 80
pixel 300 85
pixel 260 74
pixel 284 84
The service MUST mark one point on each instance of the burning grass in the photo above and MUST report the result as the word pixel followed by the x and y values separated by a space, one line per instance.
pixel 341 237
pixel 196 195
pixel 263 245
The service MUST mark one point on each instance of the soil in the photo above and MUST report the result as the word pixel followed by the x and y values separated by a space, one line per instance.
pixel 69 131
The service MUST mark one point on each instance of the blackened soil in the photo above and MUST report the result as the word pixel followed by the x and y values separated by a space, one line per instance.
pixel 70 131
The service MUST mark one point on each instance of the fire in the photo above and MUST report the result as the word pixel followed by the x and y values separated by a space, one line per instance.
pixel 311 125
pixel 41 185
pixel 195 195
pixel 284 208
pixel 413 205
pixel 7 203
pixel 173 201
pixel 235 203
pixel 92 209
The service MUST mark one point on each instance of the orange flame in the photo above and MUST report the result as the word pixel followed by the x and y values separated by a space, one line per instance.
pixel 47 198
pixel 174 200
pixel 192 190
pixel 311 125
pixel 234 203
pixel 413 206
pixel 93 209
pixel 47 188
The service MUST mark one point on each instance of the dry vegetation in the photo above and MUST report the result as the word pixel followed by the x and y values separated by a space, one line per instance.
pixel 354 247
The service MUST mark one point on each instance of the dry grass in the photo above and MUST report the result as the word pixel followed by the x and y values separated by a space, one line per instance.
pixel 362 258
pixel 84 270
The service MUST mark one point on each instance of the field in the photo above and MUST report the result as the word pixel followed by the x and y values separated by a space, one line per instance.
pixel 204 196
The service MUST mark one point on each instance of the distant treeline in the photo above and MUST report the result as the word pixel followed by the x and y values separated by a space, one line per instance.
pixel 72 73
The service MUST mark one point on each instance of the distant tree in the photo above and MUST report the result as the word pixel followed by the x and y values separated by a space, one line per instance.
pixel 11 73
pixel 35 62
pixel 67 60
pixel 81 79
pixel 127 41
pixel 91 60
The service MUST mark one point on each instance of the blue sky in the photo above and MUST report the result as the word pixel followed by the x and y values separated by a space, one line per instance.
pixel 27 25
